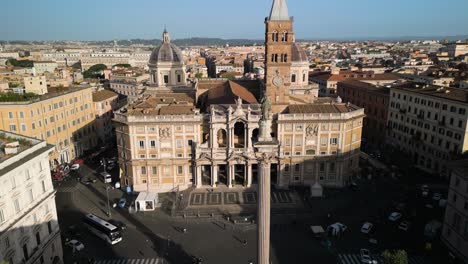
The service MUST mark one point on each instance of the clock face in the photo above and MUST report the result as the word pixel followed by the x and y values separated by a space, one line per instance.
pixel 277 81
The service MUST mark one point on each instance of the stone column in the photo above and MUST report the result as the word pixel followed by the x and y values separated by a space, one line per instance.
pixel 214 175
pixel 230 174
pixel 249 174
pixel 198 176
pixel 263 212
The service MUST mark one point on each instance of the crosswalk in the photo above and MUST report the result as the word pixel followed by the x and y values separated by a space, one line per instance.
pixel 356 259
pixel 132 261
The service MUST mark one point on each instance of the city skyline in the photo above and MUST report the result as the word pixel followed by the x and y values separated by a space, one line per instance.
pixel 119 20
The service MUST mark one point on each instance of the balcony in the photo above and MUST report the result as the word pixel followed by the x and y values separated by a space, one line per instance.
pixel 402 111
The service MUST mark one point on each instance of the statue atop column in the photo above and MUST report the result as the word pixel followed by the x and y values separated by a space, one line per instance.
pixel 266 107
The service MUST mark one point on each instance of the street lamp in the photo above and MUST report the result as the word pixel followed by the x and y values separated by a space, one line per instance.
pixel 108 204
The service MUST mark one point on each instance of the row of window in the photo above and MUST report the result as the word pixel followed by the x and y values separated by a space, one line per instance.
pixel 284 36
pixel 422 115
pixel 323 141
pixel 21 114
pixel 166 170
pixel 310 167
pixel 152 143
pixel 289 127
pixel 424 102
pixel 279 57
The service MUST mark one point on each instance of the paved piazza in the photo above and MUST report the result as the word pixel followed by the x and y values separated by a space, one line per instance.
pixel 208 198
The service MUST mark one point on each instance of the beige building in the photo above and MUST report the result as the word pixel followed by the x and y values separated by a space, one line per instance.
pixel 35 84
pixel 63 117
pixel 455 229
pixel 29 230
pixel 105 102
pixel 457 49
pixel 429 123
pixel 45 66
pixel 177 136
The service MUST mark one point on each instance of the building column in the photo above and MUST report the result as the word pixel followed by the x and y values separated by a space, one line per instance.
pixel 263 214
pixel 198 176
pixel 214 175
pixel 249 174
pixel 230 174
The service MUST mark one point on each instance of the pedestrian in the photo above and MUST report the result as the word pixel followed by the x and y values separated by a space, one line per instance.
pixel 245 242
pixel 185 230
pixel 224 225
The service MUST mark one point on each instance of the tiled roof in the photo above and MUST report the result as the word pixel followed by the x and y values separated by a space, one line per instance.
pixel 364 85
pixel 453 94
pixel 320 108
pixel 103 95
pixel 228 91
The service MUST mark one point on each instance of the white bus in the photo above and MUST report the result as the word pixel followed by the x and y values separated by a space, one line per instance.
pixel 106 177
pixel 103 229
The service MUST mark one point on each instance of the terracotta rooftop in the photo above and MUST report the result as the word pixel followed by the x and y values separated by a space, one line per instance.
pixel 363 85
pixel 321 108
pixel 453 94
pixel 227 92
pixel 103 95
pixel 163 104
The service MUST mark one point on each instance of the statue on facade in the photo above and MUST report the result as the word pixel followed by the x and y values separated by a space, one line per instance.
pixel 266 107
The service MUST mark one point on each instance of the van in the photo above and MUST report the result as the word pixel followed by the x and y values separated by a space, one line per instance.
pixel 106 177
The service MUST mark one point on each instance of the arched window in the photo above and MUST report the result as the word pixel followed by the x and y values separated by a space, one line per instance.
pixel 293 78
pixel 310 152
pixel 284 36
pixel 274 36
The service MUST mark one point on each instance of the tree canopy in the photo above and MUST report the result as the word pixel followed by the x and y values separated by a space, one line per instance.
pixel 14 97
pixel 20 63
pixel 122 65
pixel 395 257
pixel 94 71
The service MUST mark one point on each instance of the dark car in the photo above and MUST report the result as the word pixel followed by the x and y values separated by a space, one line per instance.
pixel 119 224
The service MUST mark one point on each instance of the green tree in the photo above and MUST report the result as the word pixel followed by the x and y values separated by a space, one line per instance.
pixel 94 71
pixel 122 65
pixel 198 75
pixel 395 257
pixel 228 76
pixel 20 63
pixel 76 65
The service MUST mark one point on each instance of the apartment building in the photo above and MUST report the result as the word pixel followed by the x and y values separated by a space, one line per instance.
pixel 429 123
pixel 455 228
pixel 105 102
pixel 374 99
pixel 45 66
pixel 63 117
pixel 29 230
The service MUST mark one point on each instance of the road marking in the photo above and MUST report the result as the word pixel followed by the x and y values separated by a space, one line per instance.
pixel 356 259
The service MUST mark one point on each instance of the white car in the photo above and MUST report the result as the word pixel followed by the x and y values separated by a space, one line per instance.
pixel 75 245
pixel 436 196
pixel 366 257
pixel 404 225
pixel 367 228
pixel 394 216
pixel 75 167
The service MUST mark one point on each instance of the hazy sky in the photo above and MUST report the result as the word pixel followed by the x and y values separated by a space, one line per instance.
pixel 123 19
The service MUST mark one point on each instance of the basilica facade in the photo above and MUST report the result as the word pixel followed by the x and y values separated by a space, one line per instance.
pixel 178 136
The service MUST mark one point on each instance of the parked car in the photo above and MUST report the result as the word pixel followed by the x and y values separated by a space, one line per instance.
pixel 367 228
pixel 75 245
pixel 122 202
pixel 400 206
pixel 75 167
pixel 404 225
pixel 366 257
pixel 425 190
pixel 436 196
pixel 395 216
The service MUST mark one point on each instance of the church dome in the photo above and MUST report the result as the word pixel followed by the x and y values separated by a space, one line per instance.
pixel 298 54
pixel 166 52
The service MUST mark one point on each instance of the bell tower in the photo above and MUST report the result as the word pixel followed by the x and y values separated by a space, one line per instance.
pixel 279 37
